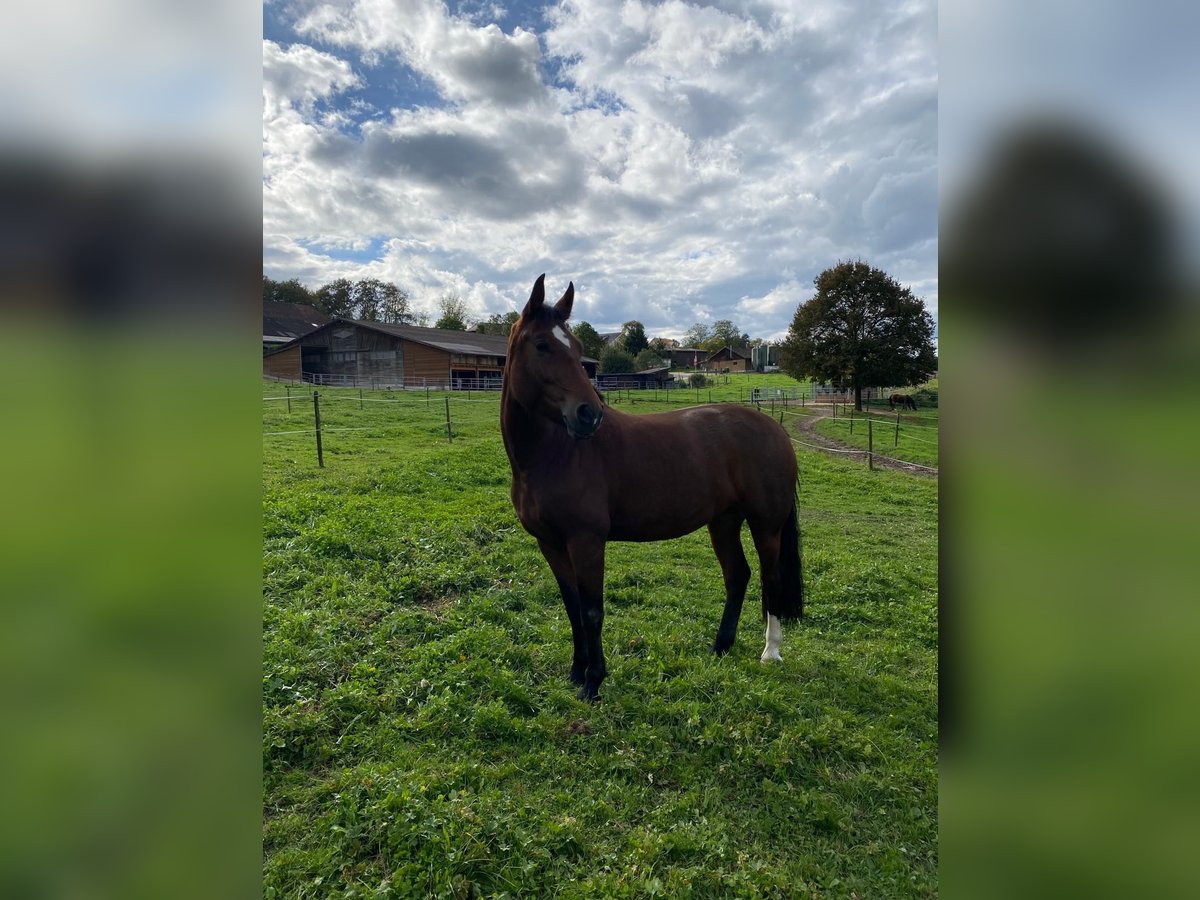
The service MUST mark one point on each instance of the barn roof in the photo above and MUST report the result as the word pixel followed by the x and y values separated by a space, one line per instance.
pixel 449 340
pixel 730 351
pixel 283 322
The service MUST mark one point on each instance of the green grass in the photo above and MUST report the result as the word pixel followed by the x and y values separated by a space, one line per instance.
pixel 421 738
pixel 917 439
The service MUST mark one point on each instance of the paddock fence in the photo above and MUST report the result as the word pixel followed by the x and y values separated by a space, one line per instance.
pixel 309 413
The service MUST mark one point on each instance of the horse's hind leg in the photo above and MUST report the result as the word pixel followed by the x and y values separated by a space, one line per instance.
pixel 767 542
pixel 726 535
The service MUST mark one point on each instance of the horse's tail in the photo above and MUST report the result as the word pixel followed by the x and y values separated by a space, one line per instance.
pixel 791 570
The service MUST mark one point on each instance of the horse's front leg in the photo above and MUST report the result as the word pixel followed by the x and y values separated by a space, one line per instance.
pixel 564 574
pixel 587 558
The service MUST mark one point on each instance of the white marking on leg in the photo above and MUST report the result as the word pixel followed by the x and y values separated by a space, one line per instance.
pixel 774 640
pixel 562 336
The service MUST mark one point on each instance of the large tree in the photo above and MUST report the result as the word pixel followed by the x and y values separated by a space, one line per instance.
pixel 729 335
pixel 633 337
pixel 696 335
pixel 860 329
pixel 394 305
pixel 593 344
pixel 290 291
pixel 454 313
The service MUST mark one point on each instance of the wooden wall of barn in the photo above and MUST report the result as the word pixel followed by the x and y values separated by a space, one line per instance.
pixel 284 364
pixel 427 363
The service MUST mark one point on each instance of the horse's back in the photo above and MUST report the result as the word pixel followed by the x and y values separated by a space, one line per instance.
pixel 677 471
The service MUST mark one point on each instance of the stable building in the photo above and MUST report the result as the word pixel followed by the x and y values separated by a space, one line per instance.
pixel 284 322
pixel 687 357
pixel 358 353
pixel 728 359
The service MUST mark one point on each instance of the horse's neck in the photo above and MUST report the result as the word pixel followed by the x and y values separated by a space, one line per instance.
pixel 528 437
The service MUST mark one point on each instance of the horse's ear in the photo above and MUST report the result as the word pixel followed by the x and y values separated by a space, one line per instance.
pixel 537 296
pixel 562 309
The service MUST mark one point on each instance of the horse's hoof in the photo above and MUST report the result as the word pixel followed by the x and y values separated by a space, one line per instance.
pixel 576 675
pixel 720 648
pixel 769 656
pixel 589 694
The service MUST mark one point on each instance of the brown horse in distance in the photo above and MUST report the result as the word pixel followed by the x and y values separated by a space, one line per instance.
pixel 903 400
pixel 585 474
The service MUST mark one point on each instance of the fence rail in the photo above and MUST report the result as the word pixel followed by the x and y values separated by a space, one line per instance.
pixel 440 407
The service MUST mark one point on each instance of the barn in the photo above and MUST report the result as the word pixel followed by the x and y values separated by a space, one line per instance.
pixel 353 352
pixel 284 322
pixel 687 357
pixel 728 359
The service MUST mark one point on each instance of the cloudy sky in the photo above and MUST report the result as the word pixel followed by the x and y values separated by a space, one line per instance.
pixel 681 162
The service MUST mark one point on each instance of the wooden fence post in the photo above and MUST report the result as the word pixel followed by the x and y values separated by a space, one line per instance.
pixel 852 421
pixel 289 395
pixel 317 420
pixel 360 402
pixel 870 445
pixel 449 433
pixel 896 442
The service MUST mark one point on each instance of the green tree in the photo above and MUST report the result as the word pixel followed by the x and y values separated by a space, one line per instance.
pixel 336 298
pixel 498 324
pixel 454 313
pixel 647 359
pixel 395 305
pixel 861 329
pixel 290 291
pixel 726 334
pixel 368 295
pixel 614 360
pixel 696 335
pixel 633 337
pixel 593 344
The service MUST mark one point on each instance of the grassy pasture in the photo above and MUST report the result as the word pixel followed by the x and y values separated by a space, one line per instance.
pixel 918 437
pixel 420 737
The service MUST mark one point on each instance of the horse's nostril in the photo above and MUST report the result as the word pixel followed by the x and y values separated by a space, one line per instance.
pixel 587 415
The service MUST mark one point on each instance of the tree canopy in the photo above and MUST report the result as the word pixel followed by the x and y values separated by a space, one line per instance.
pixel 647 359
pixel 593 344
pixel 454 313
pixel 860 329
pixel 498 324
pixel 696 335
pixel 615 360
pixel 290 291
pixel 633 337
pixel 369 298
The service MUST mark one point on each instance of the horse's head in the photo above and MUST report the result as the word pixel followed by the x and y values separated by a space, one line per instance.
pixel 543 370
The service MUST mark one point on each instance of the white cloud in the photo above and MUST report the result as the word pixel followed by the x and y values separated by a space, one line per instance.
pixel 686 163
pixel 467 62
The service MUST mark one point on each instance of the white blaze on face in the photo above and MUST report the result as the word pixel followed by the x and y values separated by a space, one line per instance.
pixel 774 640
pixel 562 336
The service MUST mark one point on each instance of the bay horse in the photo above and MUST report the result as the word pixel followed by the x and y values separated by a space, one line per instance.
pixel 903 400
pixel 584 474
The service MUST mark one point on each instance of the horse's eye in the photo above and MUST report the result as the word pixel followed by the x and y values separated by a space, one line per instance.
pixel 542 347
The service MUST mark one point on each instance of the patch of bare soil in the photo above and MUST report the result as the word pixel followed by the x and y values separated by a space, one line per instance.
pixel 804 428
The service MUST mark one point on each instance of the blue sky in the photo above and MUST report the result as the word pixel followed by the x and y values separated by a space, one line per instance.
pixel 680 162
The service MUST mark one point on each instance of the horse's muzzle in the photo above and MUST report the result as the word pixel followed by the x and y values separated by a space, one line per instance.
pixel 585 422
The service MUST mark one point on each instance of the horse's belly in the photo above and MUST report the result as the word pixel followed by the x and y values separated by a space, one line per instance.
pixel 648 524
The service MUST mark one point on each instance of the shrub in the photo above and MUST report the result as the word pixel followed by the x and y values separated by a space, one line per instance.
pixel 926 397
pixel 697 380
pixel 614 360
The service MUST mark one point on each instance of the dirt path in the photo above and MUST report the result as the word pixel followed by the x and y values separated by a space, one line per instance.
pixel 803 428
